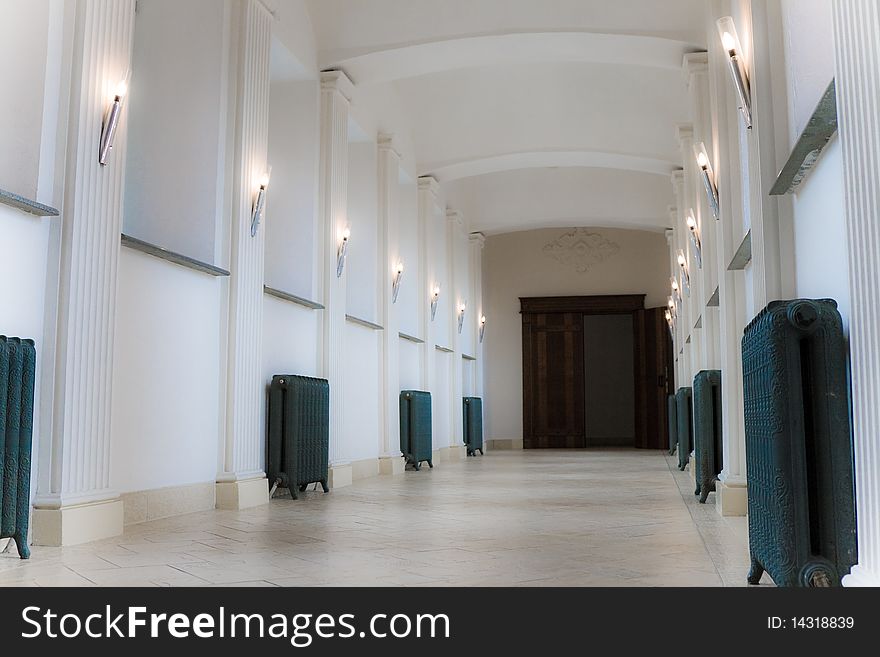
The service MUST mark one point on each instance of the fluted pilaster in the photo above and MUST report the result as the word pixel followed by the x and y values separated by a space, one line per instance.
pixel 243 453
pixel 476 243
pixel 428 189
pixel 454 228
pixel 336 93
pixel 856 26
pixel 389 255
pixel 76 475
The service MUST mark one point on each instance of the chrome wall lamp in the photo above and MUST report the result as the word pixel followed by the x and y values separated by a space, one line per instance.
pixel 708 177
pixel 730 41
pixel 111 121
pixel 462 308
pixel 685 274
pixel 260 202
pixel 482 327
pixel 676 290
pixel 395 282
pixel 696 242
pixel 672 311
pixel 435 299
pixel 342 251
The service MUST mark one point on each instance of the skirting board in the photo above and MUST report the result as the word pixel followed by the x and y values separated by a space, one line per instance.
pixel 146 505
pixel 237 495
pixel 340 475
pixel 505 443
pixel 364 469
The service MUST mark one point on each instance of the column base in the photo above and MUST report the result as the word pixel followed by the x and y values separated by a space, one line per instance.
pixel 391 465
pixel 81 523
pixel 861 576
pixel 340 476
pixel 244 494
pixel 731 500
pixel 364 469
pixel 692 468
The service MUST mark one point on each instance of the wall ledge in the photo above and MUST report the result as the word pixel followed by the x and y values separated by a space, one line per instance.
pixel 292 298
pixel 171 256
pixel 26 205
pixel 364 322
pixel 410 338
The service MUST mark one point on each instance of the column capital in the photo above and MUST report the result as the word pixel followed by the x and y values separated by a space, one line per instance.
pixel 338 81
pixel 693 64
pixel 684 132
pixel 385 142
pixel 670 234
pixel 677 177
pixel 429 184
pixel 477 239
pixel 454 217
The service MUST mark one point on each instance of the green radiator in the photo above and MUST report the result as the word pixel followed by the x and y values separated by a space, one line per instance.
pixel 416 428
pixel 672 423
pixel 684 413
pixel 17 371
pixel 473 425
pixel 299 432
pixel 799 455
pixel 707 431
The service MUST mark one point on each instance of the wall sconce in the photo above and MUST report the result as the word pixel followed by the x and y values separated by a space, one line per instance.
pixel 696 242
pixel 730 41
pixel 685 275
pixel 462 307
pixel 482 327
pixel 708 177
pixel 259 202
pixel 670 324
pixel 395 284
pixel 435 299
pixel 676 290
pixel 111 121
pixel 342 251
pixel 672 312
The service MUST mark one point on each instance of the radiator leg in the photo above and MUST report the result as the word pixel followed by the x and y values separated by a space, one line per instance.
pixel 23 550
pixel 417 466
pixel 697 492
pixel 704 495
pixel 430 464
pixel 302 487
pixel 755 572
pixel 324 485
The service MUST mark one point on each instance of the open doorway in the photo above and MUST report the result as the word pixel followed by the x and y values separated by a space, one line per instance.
pixel 596 372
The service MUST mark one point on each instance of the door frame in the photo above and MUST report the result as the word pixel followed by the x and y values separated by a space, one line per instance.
pixel 609 304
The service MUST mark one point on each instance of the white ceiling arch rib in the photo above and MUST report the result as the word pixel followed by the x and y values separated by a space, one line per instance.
pixel 397 62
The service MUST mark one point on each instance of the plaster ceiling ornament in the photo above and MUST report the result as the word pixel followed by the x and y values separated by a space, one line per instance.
pixel 581 249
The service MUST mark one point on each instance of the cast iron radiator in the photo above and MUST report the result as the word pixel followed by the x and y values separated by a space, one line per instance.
pixel 299 432
pixel 802 526
pixel 415 427
pixel 707 431
pixel 672 423
pixel 17 367
pixel 473 425
pixel 684 413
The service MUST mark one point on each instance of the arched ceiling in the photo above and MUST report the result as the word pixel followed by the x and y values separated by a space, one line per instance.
pixel 529 113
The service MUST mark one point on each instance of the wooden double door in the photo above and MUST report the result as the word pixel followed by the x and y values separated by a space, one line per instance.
pixel 554 370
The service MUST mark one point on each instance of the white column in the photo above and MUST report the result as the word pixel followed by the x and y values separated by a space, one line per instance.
pixel 454 233
pixel 336 93
pixel 856 26
pixel 390 461
pixel 731 492
pixel 74 503
pixel 476 242
pixel 428 189
pixel 242 482
pixel 686 319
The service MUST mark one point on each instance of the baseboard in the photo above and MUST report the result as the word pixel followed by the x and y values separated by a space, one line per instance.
pixel 146 505
pixel 504 443
pixel 391 465
pixel 456 452
pixel 365 469
pixel 340 475
pixel 81 523
pixel 237 495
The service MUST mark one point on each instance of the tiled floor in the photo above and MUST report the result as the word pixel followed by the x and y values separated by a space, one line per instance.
pixel 534 518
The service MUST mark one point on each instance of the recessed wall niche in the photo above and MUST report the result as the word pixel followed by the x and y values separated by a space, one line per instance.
pixel 176 115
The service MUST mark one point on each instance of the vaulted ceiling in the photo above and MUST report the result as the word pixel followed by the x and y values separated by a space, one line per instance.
pixel 530 113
